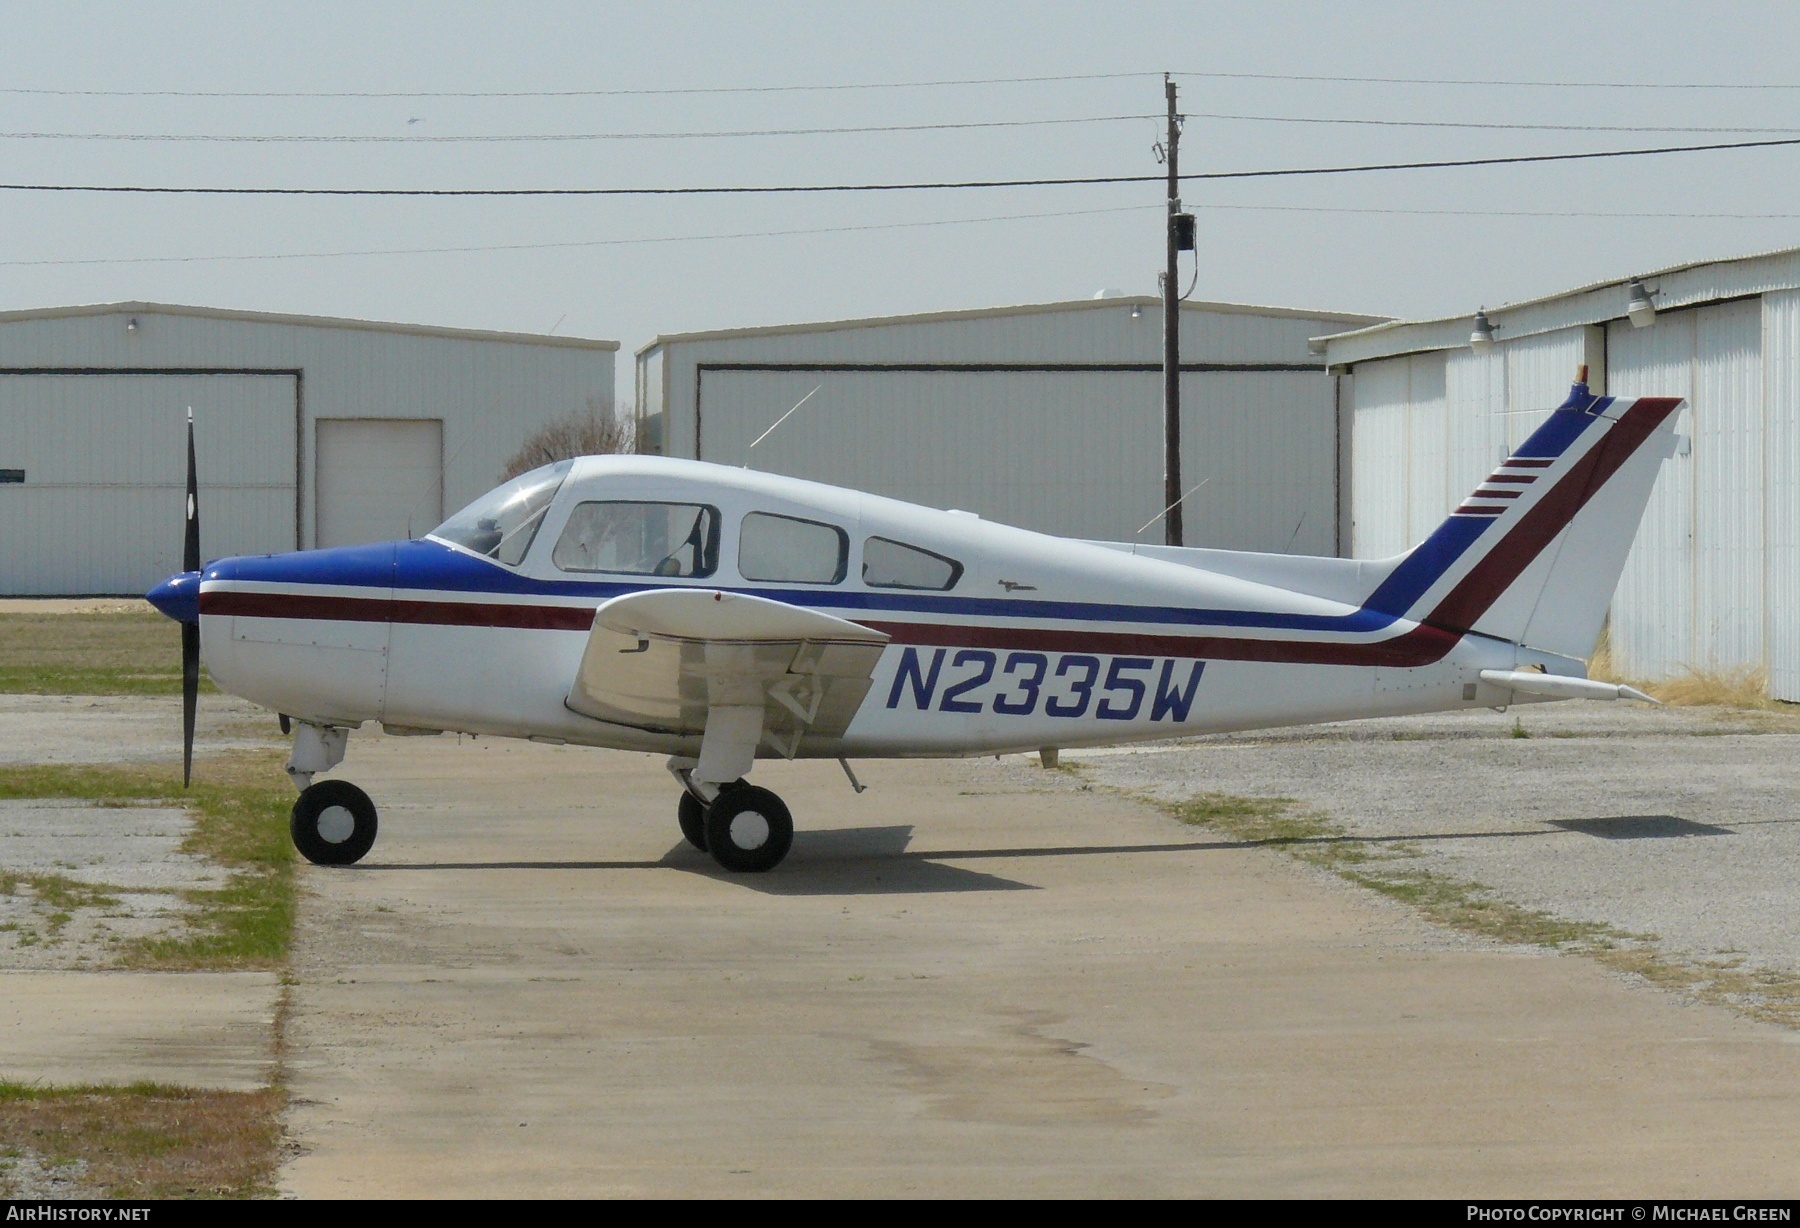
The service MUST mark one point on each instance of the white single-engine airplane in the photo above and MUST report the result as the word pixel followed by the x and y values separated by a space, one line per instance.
pixel 720 615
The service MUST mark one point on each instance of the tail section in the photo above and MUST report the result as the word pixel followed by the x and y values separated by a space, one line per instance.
pixel 1534 554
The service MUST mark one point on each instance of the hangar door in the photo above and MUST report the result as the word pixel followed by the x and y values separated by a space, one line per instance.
pixel 378 479
pixel 95 471
pixel 1076 452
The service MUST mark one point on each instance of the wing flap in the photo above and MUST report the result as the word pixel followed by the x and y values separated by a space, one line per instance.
pixel 663 660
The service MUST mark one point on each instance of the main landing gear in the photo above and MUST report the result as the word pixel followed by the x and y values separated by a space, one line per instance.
pixel 747 829
pixel 333 822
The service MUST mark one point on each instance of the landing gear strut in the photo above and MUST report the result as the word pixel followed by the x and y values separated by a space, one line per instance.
pixel 333 823
pixel 746 829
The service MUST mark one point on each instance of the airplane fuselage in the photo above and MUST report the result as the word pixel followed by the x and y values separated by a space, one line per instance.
pixel 1034 640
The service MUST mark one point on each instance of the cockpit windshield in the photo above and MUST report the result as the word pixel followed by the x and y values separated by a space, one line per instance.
pixel 502 523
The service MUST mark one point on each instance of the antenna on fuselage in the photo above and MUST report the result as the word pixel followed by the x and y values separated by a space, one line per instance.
pixel 789 414
pixel 1197 485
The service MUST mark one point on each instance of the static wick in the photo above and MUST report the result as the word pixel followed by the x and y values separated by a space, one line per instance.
pixel 789 414
pixel 1197 485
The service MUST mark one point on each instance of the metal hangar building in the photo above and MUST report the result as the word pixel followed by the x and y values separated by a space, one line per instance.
pixel 310 432
pixel 1047 416
pixel 1713 579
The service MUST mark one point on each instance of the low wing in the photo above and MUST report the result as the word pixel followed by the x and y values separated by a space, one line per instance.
pixel 739 670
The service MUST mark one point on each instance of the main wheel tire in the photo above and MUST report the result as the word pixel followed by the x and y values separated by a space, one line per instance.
pixel 692 816
pixel 333 823
pixel 748 830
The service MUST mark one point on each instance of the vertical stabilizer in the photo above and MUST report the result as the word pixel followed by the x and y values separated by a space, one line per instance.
pixel 1534 554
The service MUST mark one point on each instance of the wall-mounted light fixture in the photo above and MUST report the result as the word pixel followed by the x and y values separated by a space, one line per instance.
pixel 1137 310
pixel 131 325
pixel 1481 340
pixel 1638 305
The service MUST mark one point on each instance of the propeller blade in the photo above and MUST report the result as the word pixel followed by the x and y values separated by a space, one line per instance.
pixel 190 632
pixel 190 695
pixel 190 548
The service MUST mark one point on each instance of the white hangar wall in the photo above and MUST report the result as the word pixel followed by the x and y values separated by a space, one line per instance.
pixel 1713 578
pixel 309 431
pixel 1045 416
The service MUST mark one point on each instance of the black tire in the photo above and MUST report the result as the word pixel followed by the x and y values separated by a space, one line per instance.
pixel 318 823
pixel 692 816
pixel 748 830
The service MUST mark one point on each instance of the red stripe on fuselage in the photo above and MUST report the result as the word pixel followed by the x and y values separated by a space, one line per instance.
pixel 1424 644
pixel 403 610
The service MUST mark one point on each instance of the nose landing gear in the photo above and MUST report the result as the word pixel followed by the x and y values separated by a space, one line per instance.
pixel 333 823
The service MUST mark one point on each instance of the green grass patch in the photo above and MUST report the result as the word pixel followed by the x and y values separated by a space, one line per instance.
pixel 131 652
pixel 240 805
pixel 144 1140
pixel 1391 868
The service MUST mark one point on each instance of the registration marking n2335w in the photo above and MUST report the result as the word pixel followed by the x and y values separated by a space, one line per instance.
pixel 1069 685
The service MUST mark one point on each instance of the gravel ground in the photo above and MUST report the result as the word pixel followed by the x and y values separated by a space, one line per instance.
pixel 136 849
pixel 1678 823
pixel 132 854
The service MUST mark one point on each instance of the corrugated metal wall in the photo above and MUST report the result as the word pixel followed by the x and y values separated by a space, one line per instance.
pixel 1049 418
pixel 105 460
pixel 489 392
pixel 1713 578
pixel 1693 592
pixel 1781 491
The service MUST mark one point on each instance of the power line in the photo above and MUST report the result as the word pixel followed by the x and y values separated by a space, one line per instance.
pixel 1483 127
pixel 613 93
pixel 1563 85
pixel 836 87
pixel 580 243
pixel 657 240
pixel 424 139
pixel 1682 215
pixel 940 185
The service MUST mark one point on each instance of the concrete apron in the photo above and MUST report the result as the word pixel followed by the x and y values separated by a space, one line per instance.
pixel 974 979
pixel 210 1030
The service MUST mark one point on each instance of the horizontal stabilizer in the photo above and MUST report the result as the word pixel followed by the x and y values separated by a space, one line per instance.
pixel 1552 686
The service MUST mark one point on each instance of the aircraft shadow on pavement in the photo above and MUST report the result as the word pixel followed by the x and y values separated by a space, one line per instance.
pixel 851 861
pixel 879 861
pixel 1641 827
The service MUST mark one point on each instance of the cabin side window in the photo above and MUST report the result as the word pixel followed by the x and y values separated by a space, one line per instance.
pixel 891 564
pixel 789 550
pixel 634 538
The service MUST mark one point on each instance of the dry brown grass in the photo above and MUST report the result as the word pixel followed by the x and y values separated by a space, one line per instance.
pixel 147 1141
pixel 1740 687
pixel 112 652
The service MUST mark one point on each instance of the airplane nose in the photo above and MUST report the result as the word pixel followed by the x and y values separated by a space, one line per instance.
pixel 178 597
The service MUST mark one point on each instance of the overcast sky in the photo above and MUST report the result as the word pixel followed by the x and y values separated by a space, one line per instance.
pixel 1406 243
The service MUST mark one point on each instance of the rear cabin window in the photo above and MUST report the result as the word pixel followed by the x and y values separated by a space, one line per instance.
pixel 789 550
pixel 891 564
pixel 632 538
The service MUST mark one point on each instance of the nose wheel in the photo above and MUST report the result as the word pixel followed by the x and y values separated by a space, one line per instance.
pixel 333 823
pixel 747 829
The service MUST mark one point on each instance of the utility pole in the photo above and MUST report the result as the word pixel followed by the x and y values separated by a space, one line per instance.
pixel 1180 238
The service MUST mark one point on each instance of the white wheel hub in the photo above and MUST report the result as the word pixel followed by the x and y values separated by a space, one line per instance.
pixel 749 830
pixel 336 824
